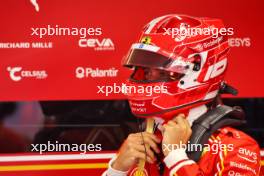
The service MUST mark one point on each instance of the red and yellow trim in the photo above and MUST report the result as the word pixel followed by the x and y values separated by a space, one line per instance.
pixel 54 167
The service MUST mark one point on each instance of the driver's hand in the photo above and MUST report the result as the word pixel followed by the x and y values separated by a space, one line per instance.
pixel 133 149
pixel 175 132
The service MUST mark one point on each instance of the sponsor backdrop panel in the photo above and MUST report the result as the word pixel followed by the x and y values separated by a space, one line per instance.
pixel 38 62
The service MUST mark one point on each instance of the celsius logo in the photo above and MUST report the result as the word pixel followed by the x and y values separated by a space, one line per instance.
pixel 16 73
pixel 97 44
pixel 35 4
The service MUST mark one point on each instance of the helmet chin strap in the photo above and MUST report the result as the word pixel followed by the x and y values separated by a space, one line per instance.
pixel 150 123
pixel 192 115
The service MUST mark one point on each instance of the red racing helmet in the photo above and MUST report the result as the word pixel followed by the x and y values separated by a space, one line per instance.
pixel 181 56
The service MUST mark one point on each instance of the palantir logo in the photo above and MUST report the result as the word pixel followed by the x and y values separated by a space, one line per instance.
pixel 17 73
pixel 86 72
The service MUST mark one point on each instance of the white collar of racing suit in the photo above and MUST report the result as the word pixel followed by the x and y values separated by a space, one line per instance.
pixel 193 114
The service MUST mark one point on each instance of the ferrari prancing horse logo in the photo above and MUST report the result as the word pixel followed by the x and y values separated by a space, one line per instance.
pixel 146 40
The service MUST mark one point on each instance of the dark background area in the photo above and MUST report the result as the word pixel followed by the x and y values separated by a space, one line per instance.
pixel 104 122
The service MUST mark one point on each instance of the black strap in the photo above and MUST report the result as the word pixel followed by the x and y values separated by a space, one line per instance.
pixel 210 122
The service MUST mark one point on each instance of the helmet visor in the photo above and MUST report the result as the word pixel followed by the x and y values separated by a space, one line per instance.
pixel 146 74
pixel 145 58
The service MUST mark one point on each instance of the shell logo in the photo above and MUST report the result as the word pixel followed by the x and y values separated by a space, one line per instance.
pixel 139 172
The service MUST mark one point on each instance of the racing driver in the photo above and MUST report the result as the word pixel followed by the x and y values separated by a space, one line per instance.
pixel 188 56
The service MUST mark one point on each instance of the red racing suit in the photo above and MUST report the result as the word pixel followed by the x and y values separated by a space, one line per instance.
pixel 229 152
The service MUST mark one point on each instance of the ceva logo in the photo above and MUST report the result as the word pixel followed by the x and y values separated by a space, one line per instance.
pixel 97 44
pixel 17 73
